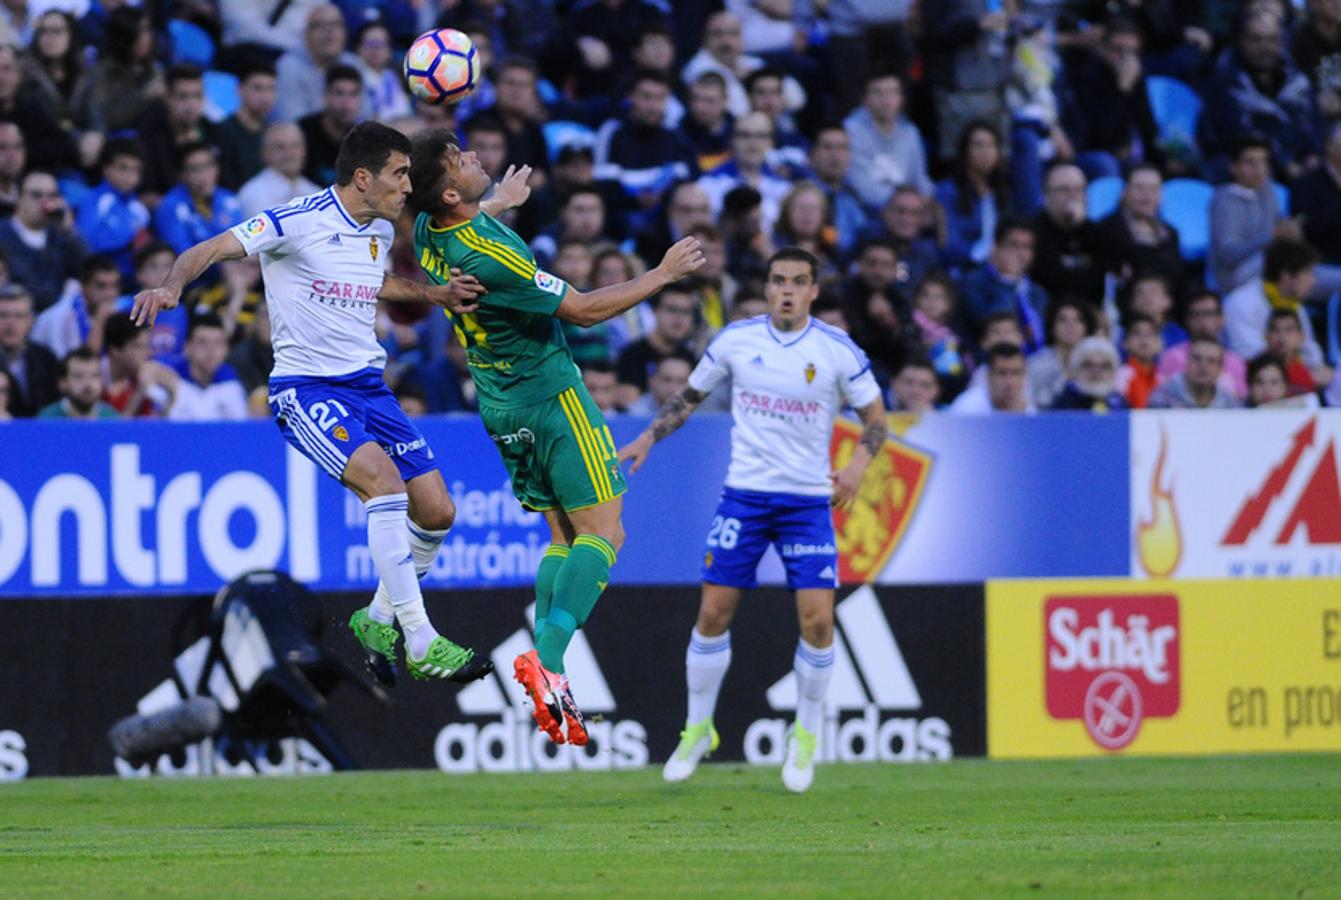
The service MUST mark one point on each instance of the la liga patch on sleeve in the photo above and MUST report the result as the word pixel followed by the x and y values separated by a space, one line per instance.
pixel 254 227
pixel 548 283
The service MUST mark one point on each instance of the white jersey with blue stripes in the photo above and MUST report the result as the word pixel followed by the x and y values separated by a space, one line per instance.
pixel 322 273
pixel 786 389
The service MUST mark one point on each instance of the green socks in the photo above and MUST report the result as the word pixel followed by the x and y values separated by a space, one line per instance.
pixel 577 586
pixel 550 564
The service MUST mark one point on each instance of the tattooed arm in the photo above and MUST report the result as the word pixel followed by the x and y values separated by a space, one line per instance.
pixel 847 482
pixel 674 414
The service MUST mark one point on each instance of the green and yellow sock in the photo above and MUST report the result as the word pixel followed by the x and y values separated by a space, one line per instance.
pixel 545 575
pixel 580 581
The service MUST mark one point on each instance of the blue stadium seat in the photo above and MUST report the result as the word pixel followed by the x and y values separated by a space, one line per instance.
pixel 221 97
pixel 1102 196
pixel 1282 195
pixel 1187 207
pixel 190 43
pixel 1176 108
pixel 560 134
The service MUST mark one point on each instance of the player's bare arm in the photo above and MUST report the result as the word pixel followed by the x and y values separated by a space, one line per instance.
pixel 187 268
pixel 675 413
pixel 683 258
pixel 460 295
pixel 511 191
pixel 875 429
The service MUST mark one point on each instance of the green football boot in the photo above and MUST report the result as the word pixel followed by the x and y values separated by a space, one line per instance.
pixel 453 662
pixel 379 646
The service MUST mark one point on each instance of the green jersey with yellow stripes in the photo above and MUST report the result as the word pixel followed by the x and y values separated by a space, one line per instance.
pixel 514 346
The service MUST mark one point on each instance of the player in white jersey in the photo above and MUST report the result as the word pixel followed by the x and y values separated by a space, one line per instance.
pixel 324 261
pixel 790 375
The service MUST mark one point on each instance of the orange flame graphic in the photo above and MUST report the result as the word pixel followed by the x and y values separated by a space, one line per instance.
pixel 1159 538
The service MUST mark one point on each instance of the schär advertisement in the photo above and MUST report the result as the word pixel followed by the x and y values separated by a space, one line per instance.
pixel 1084 668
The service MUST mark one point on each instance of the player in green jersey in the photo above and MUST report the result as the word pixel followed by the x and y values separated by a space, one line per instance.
pixel 553 440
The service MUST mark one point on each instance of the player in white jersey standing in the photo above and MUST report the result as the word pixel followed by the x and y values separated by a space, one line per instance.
pixel 324 261
pixel 790 377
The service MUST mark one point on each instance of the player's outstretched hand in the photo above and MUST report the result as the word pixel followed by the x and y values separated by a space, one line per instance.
pixel 683 258
pixel 513 189
pixel 148 304
pixel 460 295
pixel 636 453
pixel 846 485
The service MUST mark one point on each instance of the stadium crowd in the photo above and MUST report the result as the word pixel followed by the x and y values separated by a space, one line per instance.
pixel 1018 205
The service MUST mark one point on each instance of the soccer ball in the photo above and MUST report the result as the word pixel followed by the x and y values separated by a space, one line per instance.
pixel 442 67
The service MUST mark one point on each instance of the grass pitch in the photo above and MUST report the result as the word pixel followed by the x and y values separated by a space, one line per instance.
pixel 1242 826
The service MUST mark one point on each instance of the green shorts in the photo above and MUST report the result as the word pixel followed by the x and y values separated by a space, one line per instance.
pixel 558 452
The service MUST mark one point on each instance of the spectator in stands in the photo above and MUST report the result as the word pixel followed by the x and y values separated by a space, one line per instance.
pixel 284 151
pixel 518 110
pixel 384 95
pixel 133 384
pixel 1196 387
pixel 1267 381
pixel 1069 321
pixel 1105 110
pixel 80 385
pixel 638 151
pixel 276 27
pixel 76 319
pixel 1287 279
pixel 1134 238
pixel 581 218
pixel 1315 200
pixel 751 143
pixel 1205 318
pixel 974 198
pixel 613 266
pixel 914 388
pixel 1285 339
pixel 42 250
pixel 684 206
pixel 112 218
pixel 888 144
pixel 1245 215
pixel 1139 375
pixel 969 63
pixel 169 126
pixel 6 391
pixel 602 32
pixel 167 335
pixel 1316 50
pixel 830 159
pixel 325 129
pixel 599 379
pixel 723 52
pixel 412 398
pixel 878 314
pixel 54 63
pixel 13 161
pixel 1256 88
pixel 654 49
pixel 39 126
pixel 903 224
pixel 1002 285
pixel 714 283
pixel 708 126
pixel 1151 294
pixel 748 243
pixel 805 220
pixel 1092 378
pixel 1066 257
pixel 253 357
pixel 32 369
pixel 209 389
pixel 765 90
pixel 932 332
pixel 1006 385
pixel 303 72
pixel 675 310
pixel 669 378
pixel 242 135
pixel 118 89
pixel 197 208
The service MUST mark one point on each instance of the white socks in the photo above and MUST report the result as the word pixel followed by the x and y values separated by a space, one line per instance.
pixel 813 667
pixel 389 544
pixel 424 545
pixel 705 665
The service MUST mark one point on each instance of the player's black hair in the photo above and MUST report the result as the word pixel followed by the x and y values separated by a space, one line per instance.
pixel 204 320
pixel 795 254
pixel 118 331
pixel 368 146
pixel 428 174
